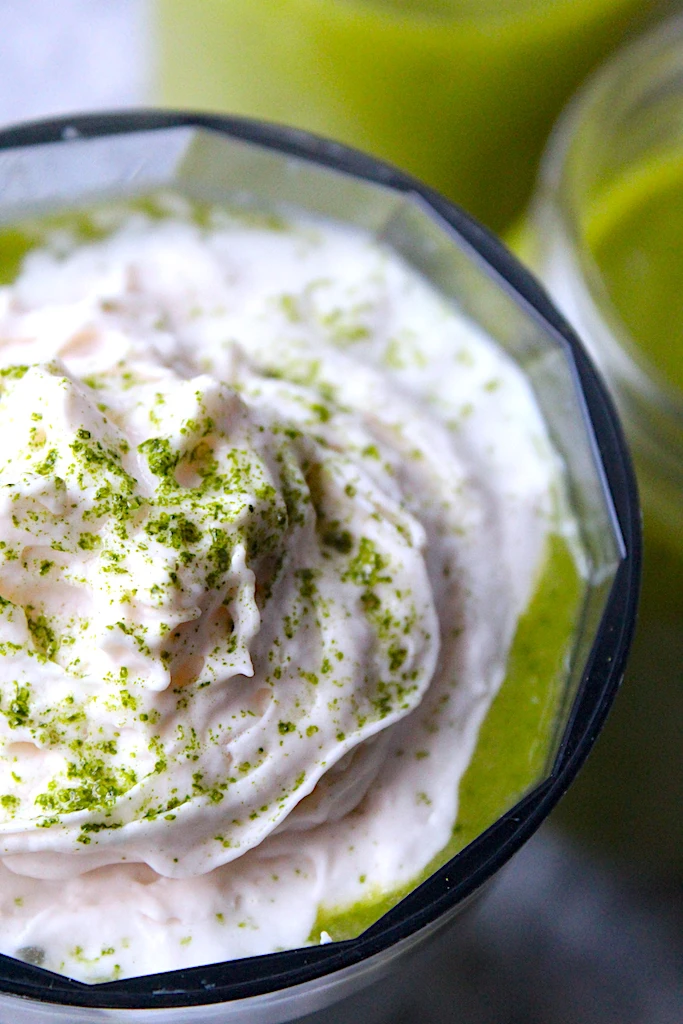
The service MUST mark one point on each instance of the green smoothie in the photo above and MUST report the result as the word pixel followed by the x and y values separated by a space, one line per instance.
pixel 633 229
pixel 627 800
pixel 634 232
pixel 461 93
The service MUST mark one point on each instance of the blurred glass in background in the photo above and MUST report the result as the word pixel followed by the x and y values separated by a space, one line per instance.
pixel 461 93
pixel 605 232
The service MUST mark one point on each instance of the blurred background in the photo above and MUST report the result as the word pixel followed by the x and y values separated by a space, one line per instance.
pixel 586 925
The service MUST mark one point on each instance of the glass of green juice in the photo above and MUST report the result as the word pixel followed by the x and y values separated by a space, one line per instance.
pixel 461 93
pixel 605 232
pixel 568 654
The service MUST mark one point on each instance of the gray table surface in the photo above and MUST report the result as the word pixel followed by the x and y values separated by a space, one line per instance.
pixel 562 939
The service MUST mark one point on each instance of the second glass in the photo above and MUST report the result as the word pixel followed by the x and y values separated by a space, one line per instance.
pixel 604 233
pixel 461 93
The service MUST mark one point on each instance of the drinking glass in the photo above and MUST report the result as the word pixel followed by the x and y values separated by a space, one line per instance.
pixel 460 93
pixel 70 163
pixel 604 233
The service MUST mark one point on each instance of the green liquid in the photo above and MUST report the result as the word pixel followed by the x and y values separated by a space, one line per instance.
pixel 635 232
pixel 627 801
pixel 461 93
pixel 516 737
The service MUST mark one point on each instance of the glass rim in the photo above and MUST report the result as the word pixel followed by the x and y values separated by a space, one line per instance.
pixel 461 877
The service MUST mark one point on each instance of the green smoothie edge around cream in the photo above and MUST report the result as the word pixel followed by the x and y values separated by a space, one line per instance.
pixel 516 737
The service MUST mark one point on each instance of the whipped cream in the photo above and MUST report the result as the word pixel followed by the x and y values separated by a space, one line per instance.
pixel 270 510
